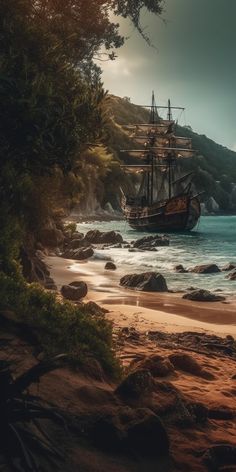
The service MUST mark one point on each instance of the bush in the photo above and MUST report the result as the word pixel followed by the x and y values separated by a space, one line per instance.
pixel 60 327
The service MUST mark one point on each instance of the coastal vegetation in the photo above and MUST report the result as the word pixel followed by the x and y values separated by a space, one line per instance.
pixel 51 120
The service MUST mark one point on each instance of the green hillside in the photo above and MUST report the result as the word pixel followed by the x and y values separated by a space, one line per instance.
pixel 214 165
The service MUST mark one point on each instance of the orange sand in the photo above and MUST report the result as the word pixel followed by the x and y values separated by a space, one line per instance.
pixel 163 311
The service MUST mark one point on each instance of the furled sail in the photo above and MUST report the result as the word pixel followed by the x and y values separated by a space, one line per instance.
pixel 159 128
pixel 160 152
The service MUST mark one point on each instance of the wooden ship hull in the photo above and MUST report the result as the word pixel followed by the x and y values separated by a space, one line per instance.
pixel 180 213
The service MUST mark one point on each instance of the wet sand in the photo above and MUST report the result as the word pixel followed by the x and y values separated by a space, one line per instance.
pixel 164 311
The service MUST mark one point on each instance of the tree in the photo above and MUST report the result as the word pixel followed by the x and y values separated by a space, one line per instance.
pixel 50 92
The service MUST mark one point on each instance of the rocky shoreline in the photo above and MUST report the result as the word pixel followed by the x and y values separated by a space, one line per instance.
pixel 175 385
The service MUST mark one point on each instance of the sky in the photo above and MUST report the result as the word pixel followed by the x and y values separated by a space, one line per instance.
pixel 193 63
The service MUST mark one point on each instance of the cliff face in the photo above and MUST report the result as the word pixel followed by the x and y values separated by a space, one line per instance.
pixel 214 165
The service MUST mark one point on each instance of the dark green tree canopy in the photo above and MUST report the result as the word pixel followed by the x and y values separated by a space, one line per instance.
pixel 51 94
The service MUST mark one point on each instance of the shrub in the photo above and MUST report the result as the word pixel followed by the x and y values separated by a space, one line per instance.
pixel 61 327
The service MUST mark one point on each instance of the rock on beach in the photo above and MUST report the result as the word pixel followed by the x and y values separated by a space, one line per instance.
pixel 147 282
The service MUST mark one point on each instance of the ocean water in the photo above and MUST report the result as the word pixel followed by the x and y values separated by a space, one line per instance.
pixel 212 241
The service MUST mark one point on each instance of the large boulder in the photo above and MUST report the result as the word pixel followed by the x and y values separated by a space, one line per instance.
pixel 76 243
pixel 147 282
pixel 202 295
pixel 83 253
pixel 99 237
pixel 147 243
pixel 75 290
pixel 205 269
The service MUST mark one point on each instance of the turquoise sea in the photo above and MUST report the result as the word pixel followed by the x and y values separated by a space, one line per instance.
pixel 212 241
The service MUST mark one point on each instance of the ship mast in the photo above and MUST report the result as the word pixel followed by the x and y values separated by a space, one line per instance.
pixel 169 117
pixel 161 149
pixel 150 160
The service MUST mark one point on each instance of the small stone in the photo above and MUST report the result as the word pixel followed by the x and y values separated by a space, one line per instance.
pixel 110 266
pixel 180 269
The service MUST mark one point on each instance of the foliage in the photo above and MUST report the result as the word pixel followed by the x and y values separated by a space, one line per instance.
pixel 60 327
pixel 50 118
pixel 51 97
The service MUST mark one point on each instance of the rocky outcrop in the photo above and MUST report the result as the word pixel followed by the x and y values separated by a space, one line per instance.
pixel 202 295
pixel 232 275
pixel 180 269
pixel 79 246
pixel 99 237
pixel 212 206
pixel 229 266
pixel 74 291
pixel 110 266
pixel 78 254
pixel 76 243
pixel 147 243
pixel 147 282
pixel 205 269
pixel 83 253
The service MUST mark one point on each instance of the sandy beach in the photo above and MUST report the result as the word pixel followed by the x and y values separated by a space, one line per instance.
pixel 163 311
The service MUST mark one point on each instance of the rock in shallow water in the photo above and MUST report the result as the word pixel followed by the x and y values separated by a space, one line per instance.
pixel 232 275
pixel 147 282
pixel 110 266
pixel 180 269
pixel 229 266
pixel 202 295
pixel 147 243
pixel 99 237
pixel 83 253
pixel 205 269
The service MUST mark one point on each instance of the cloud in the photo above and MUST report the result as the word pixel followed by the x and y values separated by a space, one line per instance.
pixel 123 67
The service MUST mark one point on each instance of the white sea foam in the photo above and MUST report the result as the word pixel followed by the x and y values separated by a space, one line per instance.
pixel 213 242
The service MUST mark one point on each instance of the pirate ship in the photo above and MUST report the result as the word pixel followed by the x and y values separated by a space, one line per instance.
pixel 163 202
